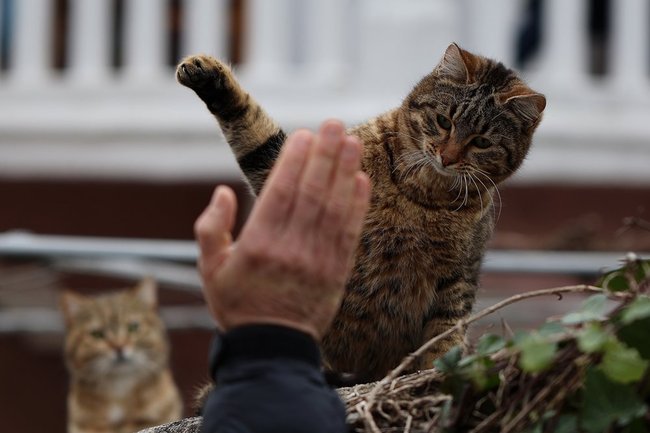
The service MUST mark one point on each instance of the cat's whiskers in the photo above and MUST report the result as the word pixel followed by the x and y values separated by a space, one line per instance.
pixel 478 190
pixel 466 199
pixel 411 161
pixel 416 159
pixel 454 183
pixel 462 188
pixel 413 157
pixel 487 190
pixel 460 178
pixel 484 174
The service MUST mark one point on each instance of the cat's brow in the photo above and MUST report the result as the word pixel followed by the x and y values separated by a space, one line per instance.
pixel 418 105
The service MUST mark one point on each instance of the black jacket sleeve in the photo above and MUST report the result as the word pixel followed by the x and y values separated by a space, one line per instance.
pixel 268 379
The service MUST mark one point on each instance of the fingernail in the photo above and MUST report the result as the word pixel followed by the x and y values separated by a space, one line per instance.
pixel 350 150
pixel 219 194
pixel 333 130
pixel 301 140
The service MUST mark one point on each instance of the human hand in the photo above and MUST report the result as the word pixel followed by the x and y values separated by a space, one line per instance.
pixel 292 259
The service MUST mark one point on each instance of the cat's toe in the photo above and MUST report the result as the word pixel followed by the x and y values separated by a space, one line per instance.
pixel 189 73
pixel 198 70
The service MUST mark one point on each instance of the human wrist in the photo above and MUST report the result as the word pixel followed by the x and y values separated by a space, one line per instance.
pixel 259 342
pixel 234 321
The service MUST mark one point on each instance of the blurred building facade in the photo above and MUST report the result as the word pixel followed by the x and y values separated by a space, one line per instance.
pixel 87 86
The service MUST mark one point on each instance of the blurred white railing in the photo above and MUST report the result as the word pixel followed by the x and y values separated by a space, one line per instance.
pixel 305 60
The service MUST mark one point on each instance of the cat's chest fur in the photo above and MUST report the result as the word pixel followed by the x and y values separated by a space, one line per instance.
pixel 407 249
pixel 413 235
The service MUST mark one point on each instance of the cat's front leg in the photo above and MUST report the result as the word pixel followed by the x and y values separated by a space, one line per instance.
pixel 254 137
pixel 432 329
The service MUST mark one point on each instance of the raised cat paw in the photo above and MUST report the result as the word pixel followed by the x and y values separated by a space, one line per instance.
pixel 197 71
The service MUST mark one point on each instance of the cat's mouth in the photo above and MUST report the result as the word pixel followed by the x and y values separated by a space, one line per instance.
pixel 436 162
pixel 122 357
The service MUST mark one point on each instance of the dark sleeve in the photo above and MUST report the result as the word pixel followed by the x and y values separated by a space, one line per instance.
pixel 269 379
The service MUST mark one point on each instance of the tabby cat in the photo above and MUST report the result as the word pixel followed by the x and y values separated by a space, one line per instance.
pixel 116 352
pixel 434 163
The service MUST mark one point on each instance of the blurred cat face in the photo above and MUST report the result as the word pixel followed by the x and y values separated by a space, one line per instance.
pixel 113 335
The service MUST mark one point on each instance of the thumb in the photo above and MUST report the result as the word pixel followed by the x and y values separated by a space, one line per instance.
pixel 213 230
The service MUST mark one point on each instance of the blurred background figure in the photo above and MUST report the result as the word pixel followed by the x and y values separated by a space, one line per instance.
pixel 97 139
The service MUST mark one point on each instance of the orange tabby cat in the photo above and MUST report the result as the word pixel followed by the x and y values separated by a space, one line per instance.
pixel 117 353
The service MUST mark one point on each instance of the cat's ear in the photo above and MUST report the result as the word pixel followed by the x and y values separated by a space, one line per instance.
pixel 526 103
pixel 458 65
pixel 147 291
pixel 71 303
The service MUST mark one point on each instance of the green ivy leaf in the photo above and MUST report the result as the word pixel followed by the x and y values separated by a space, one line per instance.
pixel 621 363
pixel 618 279
pixel 605 401
pixel 448 362
pixel 592 338
pixel 593 308
pixel 490 343
pixel 614 281
pixel 479 372
pixel 638 309
pixel 537 353
pixel 636 335
pixel 551 328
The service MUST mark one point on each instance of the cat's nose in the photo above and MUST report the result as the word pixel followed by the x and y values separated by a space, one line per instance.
pixel 448 160
pixel 120 354
pixel 450 155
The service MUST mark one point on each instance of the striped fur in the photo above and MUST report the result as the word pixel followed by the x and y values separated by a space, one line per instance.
pixel 117 354
pixel 434 163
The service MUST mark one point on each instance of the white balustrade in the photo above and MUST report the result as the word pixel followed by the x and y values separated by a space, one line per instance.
pixel 206 26
pixel 630 45
pixel 328 42
pixel 89 40
pixel 402 41
pixel 369 51
pixel 564 49
pixel 31 42
pixel 489 27
pixel 268 47
pixel 145 39
pixel 325 31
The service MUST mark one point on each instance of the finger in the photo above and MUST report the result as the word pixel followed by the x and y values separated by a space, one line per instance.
pixel 344 182
pixel 353 226
pixel 315 183
pixel 278 196
pixel 213 229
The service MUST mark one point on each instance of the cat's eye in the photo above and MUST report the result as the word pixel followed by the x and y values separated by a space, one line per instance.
pixel 443 122
pixel 133 327
pixel 481 142
pixel 97 333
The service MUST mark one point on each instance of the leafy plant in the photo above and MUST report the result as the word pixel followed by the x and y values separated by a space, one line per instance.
pixel 588 372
